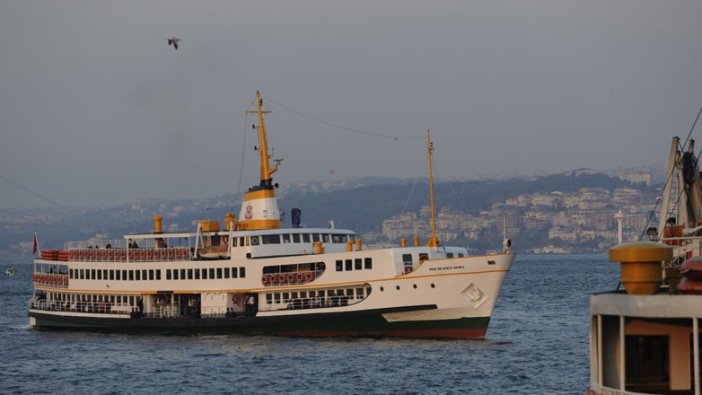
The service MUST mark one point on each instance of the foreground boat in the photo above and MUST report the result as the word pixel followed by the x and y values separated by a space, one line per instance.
pixel 255 277
pixel 646 340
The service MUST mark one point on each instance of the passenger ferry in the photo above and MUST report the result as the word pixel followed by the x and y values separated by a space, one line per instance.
pixel 252 276
pixel 645 339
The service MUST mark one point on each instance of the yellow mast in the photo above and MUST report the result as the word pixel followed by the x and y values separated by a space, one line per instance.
pixel 266 169
pixel 433 241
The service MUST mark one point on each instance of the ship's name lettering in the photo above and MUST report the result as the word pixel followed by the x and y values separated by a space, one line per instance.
pixel 442 268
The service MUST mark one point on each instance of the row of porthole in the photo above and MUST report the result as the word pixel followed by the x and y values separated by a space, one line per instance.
pixel 397 287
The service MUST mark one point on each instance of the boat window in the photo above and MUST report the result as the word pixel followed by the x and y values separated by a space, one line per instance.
pixel 359 293
pixel 294 295
pixel 70 273
pixel 158 274
pixel 407 259
pixel 277 297
pixel 315 237
pixel 143 275
pixel 151 274
pixel 296 238
pixel 175 275
pixel 358 264
pixel 303 294
pixel 212 273
pixel 352 237
pixel 168 274
pixel 99 274
pixel 339 265
pixel 254 240
pixel 204 274
pixel 305 237
pixel 124 275
pixel 197 274
pixel 325 238
pixel 286 297
pixel 234 272
pixel 460 255
pixel 80 273
pixel 349 265
pixel 338 238
pixel 219 272
pixel 226 272
pixel 190 274
pixel 243 241
pixel 313 294
pixel 286 238
pixel 92 274
pixel 270 239
pixel 449 255
pixel 423 256
pixel 242 272
pixel 368 263
pixel 234 239
pixel 104 274
pixel 112 274
pixel 131 275
pixel 269 299
pixel 118 275
pixel 138 275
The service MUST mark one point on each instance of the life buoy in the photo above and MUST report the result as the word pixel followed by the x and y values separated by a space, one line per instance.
pixel 309 276
pixel 282 278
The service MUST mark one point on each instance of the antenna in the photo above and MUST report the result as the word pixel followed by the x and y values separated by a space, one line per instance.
pixel 433 241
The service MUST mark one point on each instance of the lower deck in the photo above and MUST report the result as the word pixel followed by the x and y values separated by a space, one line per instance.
pixel 644 344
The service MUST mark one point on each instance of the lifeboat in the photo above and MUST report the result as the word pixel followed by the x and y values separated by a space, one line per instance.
pixel 692 276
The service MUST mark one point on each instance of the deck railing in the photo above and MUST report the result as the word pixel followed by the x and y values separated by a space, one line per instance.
pixel 118 254
pixel 82 307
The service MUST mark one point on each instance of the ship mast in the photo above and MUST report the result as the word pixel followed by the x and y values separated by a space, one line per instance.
pixel 433 241
pixel 259 209
pixel 266 169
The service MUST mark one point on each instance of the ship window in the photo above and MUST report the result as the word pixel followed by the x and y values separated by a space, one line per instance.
pixel 124 275
pixel 138 275
pixel 339 265
pixel 286 297
pixel 349 265
pixel 92 274
pixel 269 299
pixel 325 238
pixel 168 274
pixel 212 273
pixel 219 272
pixel 151 274
pixel 359 293
pixel 303 294
pixel 286 238
pixel 234 241
pixel 449 255
pixel 254 240
pixel 315 237
pixel 175 274
pixel 648 365
pixel 423 257
pixel 368 263
pixel 118 276
pixel 197 274
pixel 99 274
pixel 242 272
pixel 305 237
pixel 349 292
pixel 294 295
pixel 269 239
pixel 70 273
pixel 296 238
pixel 112 274
pixel 276 297
pixel 104 274
pixel 143 274
pixel 358 264
pixel 131 275
pixel 320 293
pixel 234 272
pixel 158 274
pixel 241 241
pixel 368 291
pixel 226 272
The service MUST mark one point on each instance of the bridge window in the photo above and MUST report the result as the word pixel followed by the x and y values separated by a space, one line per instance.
pixel 296 238
pixel 305 237
pixel 269 239
pixel 338 238
pixel 325 238
pixel 286 238
pixel 368 263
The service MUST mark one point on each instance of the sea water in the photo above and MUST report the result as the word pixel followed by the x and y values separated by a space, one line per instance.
pixel 537 343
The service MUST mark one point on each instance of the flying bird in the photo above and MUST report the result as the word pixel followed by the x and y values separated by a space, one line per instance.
pixel 174 41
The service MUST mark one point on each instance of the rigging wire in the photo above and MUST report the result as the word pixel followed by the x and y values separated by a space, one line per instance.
pixel 333 125
pixel 693 127
pixel 243 154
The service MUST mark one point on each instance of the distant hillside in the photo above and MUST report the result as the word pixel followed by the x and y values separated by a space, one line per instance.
pixel 361 208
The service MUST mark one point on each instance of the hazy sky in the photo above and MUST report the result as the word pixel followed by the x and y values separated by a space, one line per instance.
pixel 96 108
